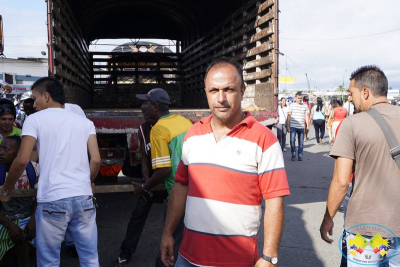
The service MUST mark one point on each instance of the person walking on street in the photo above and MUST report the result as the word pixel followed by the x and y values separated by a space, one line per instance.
pixel 281 127
pixel 64 195
pixel 361 144
pixel 339 113
pixel 307 117
pixel 223 154
pixel 296 123
pixel 318 119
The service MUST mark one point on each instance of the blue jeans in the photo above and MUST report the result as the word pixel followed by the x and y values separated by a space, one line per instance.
pixel 78 215
pixel 300 134
pixel 182 262
pixel 281 134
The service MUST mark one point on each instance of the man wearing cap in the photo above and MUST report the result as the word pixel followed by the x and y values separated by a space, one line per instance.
pixel 166 139
pixel 28 109
pixel 7 118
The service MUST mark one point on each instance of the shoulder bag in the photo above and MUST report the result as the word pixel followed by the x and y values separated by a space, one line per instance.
pixel 390 138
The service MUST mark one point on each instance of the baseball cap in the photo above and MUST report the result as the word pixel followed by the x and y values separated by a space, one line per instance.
pixel 27 95
pixel 156 95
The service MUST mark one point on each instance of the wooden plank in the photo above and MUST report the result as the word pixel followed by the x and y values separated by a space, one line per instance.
pixel 99 189
pixel 257 75
pixel 265 5
pixel 267 17
pixel 259 49
pixel 134 72
pixel 262 34
pixel 259 62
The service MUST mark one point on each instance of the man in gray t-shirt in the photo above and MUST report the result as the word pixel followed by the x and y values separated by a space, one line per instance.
pixel 361 148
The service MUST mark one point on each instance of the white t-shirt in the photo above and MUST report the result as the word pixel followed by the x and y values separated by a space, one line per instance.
pixel 61 139
pixel 75 109
pixel 283 112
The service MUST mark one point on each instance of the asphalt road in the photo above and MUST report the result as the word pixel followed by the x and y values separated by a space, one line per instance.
pixel 301 244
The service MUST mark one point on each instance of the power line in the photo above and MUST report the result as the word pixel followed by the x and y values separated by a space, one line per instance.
pixel 343 38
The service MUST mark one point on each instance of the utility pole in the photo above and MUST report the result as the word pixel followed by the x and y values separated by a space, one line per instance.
pixel 308 83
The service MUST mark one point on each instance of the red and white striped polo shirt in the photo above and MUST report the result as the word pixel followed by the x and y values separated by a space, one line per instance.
pixel 227 181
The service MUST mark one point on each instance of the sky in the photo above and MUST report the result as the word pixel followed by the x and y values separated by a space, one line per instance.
pixel 328 40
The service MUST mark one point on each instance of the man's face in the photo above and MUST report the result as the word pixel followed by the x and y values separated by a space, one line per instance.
pixel 8 151
pixel 355 96
pixel 40 100
pixel 299 98
pixel 149 110
pixel 6 122
pixel 28 108
pixel 224 91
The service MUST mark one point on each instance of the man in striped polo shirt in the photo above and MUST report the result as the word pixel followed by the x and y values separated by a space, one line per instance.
pixel 229 163
pixel 297 116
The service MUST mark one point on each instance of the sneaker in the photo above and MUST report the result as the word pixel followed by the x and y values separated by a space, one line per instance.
pixel 284 150
pixel 122 260
pixel 71 250
pixel 293 158
pixel 300 159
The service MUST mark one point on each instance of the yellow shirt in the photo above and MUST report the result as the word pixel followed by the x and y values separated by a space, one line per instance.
pixel 15 131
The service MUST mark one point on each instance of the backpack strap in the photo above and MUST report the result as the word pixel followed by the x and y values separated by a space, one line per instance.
pixel 390 138
pixel 30 171
pixel 2 174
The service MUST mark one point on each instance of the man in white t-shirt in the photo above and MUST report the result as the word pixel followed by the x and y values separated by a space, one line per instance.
pixel 64 193
pixel 297 116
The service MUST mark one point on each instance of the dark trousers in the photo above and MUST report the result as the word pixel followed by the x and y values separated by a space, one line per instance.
pixel 135 226
pixel 177 235
pixel 281 134
pixel 319 126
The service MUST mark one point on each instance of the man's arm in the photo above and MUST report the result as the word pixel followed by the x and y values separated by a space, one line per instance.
pixel 337 192
pixel 158 177
pixel 289 115
pixel 176 209
pixel 16 233
pixel 95 159
pixel 273 224
pixel 30 228
pixel 18 166
pixel 145 161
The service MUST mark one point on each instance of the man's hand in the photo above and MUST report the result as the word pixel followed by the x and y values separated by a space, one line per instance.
pixel 16 233
pixel 263 263
pixel 30 228
pixel 4 198
pixel 139 192
pixel 326 228
pixel 167 250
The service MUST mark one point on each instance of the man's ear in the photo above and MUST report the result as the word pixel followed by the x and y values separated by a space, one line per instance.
pixel 242 91
pixel 365 93
pixel 46 96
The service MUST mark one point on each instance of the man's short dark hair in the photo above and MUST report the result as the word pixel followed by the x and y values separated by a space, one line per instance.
pixel 373 78
pixel 223 61
pixel 299 93
pixel 51 86
pixel 16 138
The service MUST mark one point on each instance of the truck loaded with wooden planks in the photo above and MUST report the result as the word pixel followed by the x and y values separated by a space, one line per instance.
pixel 105 84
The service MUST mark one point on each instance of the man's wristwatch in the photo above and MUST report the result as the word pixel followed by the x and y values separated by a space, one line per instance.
pixel 147 191
pixel 273 260
pixel 5 193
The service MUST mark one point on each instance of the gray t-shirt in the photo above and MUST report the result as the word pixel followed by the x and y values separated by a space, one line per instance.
pixel 375 197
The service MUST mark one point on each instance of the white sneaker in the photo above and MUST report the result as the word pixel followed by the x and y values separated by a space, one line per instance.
pixel 284 150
